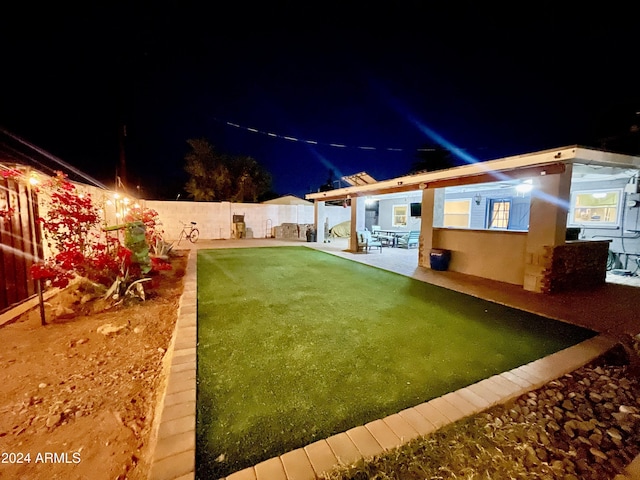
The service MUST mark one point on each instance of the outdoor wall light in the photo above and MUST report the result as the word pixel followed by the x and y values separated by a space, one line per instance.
pixel 524 187
pixel 422 186
pixel 477 198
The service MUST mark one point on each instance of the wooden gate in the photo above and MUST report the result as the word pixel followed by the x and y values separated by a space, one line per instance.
pixel 19 236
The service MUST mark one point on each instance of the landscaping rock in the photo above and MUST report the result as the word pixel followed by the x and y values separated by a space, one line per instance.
pixel 109 329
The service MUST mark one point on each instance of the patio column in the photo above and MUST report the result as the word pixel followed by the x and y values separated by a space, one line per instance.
pixel 357 221
pixel 320 217
pixel 426 227
pixel 550 200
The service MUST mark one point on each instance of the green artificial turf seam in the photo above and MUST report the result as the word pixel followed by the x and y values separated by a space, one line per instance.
pixel 295 345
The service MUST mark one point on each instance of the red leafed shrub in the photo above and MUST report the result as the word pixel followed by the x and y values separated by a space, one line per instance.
pixel 71 217
pixel 71 227
pixel 158 264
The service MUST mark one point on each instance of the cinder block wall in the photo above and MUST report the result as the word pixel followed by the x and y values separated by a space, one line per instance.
pixel 215 219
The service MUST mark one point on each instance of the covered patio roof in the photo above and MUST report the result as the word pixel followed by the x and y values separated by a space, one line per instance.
pixel 546 162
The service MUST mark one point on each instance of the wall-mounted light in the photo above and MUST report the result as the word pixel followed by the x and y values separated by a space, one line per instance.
pixel 422 186
pixel 477 199
pixel 33 179
pixel 525 187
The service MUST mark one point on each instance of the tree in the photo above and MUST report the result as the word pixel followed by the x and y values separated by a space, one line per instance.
pixel 430 158
pixel 219 177
pixel 209 177
pixel 249 179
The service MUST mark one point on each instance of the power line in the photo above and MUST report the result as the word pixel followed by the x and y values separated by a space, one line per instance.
pixel 316 142
pixel 30 149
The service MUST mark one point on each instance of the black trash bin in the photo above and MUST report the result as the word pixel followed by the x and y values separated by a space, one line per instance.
pixel 439 259
pixel 311 235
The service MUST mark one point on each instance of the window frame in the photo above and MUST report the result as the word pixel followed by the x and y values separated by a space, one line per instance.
pixel 395 215
pixel 445 214
pixel 595 224
pixel 490 210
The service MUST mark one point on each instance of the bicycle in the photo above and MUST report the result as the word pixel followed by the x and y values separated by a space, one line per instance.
pixel 190 232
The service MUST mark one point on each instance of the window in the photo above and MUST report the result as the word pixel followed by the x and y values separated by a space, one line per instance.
pixel 595 208
pixel 456 213
pixel 499 210
pixel 400 215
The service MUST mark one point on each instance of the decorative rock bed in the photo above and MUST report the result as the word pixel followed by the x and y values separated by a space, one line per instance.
pixel 584 425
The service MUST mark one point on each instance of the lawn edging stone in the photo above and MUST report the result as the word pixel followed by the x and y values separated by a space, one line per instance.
pixel 365 442
pixel 297 465
pixel 321 456
pixel 173 438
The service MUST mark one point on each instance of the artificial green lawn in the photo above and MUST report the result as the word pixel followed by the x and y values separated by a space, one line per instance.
pixel 295 345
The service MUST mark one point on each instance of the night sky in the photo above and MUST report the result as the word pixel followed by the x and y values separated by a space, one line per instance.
pixel 489 81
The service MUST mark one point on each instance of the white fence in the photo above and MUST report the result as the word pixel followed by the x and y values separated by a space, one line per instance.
pixel 215 219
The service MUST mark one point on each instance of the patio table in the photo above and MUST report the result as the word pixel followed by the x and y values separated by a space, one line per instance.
pixel 391 236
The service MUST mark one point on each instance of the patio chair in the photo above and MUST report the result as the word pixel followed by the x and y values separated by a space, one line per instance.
pixel 411 238
pixel 366 242
pixel 375 231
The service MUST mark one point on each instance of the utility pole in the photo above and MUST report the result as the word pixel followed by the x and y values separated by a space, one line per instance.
pixel 122 170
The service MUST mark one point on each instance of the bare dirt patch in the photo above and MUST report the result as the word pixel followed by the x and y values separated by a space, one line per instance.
pixel 77 403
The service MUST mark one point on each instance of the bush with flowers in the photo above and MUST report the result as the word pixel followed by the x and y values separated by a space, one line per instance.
pixel 81 249
pixel 154 234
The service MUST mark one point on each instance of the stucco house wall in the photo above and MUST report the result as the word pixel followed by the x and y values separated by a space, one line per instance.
pixel 497 255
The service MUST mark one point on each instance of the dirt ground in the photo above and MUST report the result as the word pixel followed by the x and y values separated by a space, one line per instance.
pixel 77 401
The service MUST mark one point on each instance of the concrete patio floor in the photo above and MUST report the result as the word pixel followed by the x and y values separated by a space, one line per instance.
pixel 609 309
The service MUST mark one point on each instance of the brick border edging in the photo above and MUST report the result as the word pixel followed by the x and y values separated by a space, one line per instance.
pixel 174 427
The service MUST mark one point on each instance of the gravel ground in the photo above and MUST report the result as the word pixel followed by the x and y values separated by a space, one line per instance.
pixel 585 425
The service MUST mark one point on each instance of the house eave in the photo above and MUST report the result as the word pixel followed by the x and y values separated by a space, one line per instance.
pixel 519 166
